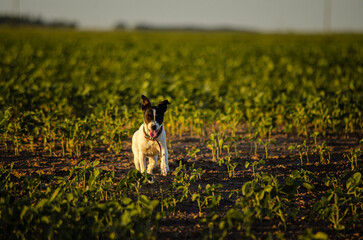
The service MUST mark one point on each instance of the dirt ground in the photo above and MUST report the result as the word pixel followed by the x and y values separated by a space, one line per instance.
pixel 185 223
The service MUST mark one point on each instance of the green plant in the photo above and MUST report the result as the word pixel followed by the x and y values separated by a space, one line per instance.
pixel 336 216
pixel 353 156
pixel 265 197
pixel 135 180
pixel 235 220
pixel 297 179
pixel 315 135
pixel 309 235
pixel 212 144
pixel 354 186
pixel 322 149
pixel 254 164
pixel 301 148
pixel 254 141
pixel 193 152
pixel 179 190
pixel 210 197
pixel 266 144
pixel 305 147
pixel 339 202
pixel 230 166
pixel 330 180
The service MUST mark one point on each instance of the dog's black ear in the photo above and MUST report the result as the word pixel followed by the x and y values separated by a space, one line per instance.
pixel 163 105
pixel 145 103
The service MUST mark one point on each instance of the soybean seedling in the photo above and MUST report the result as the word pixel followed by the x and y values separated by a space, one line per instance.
pixel 193 152
pixel 230 166
pixel 232 143
pixel 306 150
pixel 266 144
pixel 212 144
pixel 253 139
pixel 300 148
pixel 315 135
pixel 254 164
pixel 322 148
pixel 353 156
pixel 210 197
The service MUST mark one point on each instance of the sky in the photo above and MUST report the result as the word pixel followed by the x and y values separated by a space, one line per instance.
pixel 260 15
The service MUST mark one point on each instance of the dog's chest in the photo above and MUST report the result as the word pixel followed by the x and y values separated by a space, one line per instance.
pixel 150 148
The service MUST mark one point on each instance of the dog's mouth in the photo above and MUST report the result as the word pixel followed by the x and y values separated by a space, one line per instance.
pixel 153 133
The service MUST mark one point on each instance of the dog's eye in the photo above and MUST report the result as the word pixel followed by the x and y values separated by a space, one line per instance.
pixel 149 117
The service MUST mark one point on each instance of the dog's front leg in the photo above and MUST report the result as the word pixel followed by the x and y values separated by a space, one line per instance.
pixel 152 164
pixel 164 160
pixel 137 161
pixel 142 162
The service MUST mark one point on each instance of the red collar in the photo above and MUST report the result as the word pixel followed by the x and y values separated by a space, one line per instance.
pixel 149 137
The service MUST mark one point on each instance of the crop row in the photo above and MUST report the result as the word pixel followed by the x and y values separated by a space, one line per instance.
pixel 93 203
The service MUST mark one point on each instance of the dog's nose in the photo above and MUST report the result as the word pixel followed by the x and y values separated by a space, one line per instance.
pixel 153 127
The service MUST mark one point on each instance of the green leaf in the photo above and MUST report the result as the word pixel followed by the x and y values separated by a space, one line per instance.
pixel 320 236
pixel 262 162
pixel 41 203
pixel 268 188
pixel 45 219
pixel 194 196
pixel 144 200
pixel 54 194
pixel 94 163
pixel 23 212
pixel 245 188
pixel 69 197
pixel 153 204
pixel 357 176
pixel 308 186
pixel 221 225
pixel 353 180
pixel 125 218
pixel 261 195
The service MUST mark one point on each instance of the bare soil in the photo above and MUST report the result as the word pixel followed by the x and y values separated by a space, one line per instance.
pixel 185 223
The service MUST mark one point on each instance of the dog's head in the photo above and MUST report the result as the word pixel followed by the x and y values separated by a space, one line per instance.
pixel 153 115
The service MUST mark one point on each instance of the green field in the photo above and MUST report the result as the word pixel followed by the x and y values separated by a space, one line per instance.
pixel 246 99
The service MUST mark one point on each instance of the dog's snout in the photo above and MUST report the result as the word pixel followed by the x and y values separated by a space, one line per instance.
pixel 153 127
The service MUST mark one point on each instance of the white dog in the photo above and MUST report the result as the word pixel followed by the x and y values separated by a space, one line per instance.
pixel 150 139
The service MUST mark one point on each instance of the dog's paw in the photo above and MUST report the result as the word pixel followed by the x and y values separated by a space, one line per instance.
pixel 164 172
pixel 150 180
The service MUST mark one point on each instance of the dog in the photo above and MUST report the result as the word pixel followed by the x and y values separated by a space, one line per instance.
pixel 150 139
